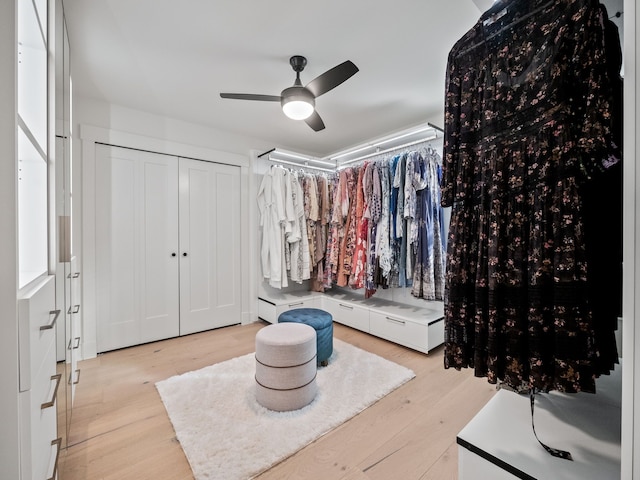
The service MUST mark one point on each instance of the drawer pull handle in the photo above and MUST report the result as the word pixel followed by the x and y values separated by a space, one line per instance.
pixel 346 306
pixel 50 325
pixel 296 304
pixel 55 392
pixel 58 443
pixel 77 377
pixel 394 320
pixel 76 309
pixel 77 344
pixel 76 275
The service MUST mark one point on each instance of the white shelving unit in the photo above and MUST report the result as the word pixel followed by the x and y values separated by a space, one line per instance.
pixel 39 443
pixel 32 140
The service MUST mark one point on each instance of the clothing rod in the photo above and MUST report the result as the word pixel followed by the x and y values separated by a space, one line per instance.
pixel 267 152
pixel 299 165
pixel 382 152
pixel 440 129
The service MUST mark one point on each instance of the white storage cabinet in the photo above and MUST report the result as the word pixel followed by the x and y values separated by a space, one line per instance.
pixel 39 444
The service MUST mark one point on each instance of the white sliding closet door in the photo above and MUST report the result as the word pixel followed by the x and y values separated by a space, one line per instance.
pixel 209 246
pixel 136 247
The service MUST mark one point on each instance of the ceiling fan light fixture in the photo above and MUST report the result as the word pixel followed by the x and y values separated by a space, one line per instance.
pixel 297 103
pixel 297 109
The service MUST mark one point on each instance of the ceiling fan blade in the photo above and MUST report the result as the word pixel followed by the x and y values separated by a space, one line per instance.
pixel 315 122
pixel 332 78
pixel 250 96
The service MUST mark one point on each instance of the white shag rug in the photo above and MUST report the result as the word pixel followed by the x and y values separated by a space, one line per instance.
pixel 227 435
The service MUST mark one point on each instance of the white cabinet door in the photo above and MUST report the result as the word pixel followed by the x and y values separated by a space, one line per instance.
pixel 209 246
pixel 136 247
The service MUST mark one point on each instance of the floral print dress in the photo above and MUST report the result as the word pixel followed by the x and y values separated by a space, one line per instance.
pixel 527 126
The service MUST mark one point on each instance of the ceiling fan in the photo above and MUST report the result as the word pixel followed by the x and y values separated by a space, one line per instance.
pixel 299 102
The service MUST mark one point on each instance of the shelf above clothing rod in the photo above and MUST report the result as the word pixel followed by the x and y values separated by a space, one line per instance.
pixel 388 150
pixel 398 140
pixel 299 165
pixel 420 134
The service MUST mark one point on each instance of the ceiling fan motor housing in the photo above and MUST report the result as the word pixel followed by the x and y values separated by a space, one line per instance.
pixel 297 95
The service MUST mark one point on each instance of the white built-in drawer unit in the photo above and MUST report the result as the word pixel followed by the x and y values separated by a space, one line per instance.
pixel 39 445
pixel 349 313
pixel 270 308
pixel 420 330
pixel 419 327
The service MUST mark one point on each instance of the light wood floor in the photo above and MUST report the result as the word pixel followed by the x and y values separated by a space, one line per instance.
pixel 120 429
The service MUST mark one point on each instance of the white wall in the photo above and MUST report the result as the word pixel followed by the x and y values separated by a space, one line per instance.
pixel 117 117
pixel 9 454
pixel 96 121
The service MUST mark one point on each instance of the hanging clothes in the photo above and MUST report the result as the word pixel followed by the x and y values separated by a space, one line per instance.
pixel 273 220
pixel 317 273
pixel 356 280
pixel 348 244
pixel 400 225
pixel 428 273
pixel 372 178
pixel 394 243
pixel 527 126
pixel 383 244
pixel 353 228
pixel 297 241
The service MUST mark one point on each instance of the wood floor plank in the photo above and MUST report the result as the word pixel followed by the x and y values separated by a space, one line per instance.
pixel 446 467
pixel 120 428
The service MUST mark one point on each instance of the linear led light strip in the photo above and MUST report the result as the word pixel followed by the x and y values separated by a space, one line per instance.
pixel 382 152
pixel 380 143
pixel 303 158
pixel 298 164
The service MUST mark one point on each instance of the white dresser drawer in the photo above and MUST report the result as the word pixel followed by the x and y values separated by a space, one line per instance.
pixel 36 330
pixel 38 450
pixel 302 303
pixel 400 330
pixel 269 309
pixel 347 313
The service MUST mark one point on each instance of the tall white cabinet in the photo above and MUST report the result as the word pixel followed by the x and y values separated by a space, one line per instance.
pixel 167 246
pixel 30 239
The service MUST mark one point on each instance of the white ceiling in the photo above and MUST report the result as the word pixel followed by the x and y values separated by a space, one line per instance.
pixel 173 58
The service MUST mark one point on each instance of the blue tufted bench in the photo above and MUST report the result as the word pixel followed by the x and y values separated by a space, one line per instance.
pixel 321 321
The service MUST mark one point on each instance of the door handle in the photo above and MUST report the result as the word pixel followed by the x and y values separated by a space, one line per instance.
pixel 173 254
pixel 184 254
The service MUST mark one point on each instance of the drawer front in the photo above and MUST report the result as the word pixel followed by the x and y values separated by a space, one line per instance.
pixel 348 314
pixel 399 330
pixel 436 333
pixel 266 311
pixel 38 420
pixel 305 303
pixel 37 320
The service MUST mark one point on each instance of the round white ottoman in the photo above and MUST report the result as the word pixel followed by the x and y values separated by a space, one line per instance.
pixel 286 366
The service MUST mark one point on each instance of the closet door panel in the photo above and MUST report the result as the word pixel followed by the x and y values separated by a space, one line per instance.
pixel 159 290
pixel 136 233
pixel 195 238
pixel 210 238
pixel 115 249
